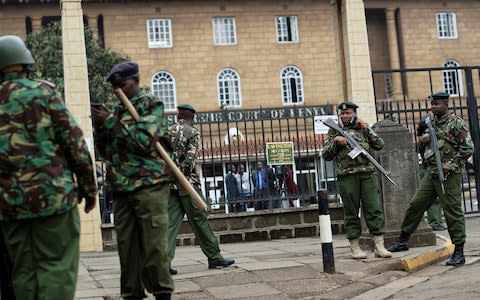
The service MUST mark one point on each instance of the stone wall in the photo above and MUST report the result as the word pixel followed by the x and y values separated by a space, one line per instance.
pixel 254 226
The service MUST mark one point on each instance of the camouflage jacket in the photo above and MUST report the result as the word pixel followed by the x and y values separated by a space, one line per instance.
pixel 185 140
pixel 128 146
pixel 42 151
pixel 343 163
pixel 454 143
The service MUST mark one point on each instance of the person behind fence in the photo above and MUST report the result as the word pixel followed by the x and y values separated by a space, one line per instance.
pixel 139 180
pixel 259 179
pixel 245 186
pixel 185 140
pixel 357 180
pixel 272 188
pixel 291 189
pixel 45 171
pixel 233 193
pixel 434 212
pixel 455 147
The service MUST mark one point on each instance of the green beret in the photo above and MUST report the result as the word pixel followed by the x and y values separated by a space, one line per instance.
pixel 440 96
pixel 186 107
pixel 347 105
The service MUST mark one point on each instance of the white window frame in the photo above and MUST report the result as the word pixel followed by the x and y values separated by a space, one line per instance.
pixel 159 33
pixel 224 31
pixel 287 75
pixel 287 29
pixel 229 88
pixel 452 79
pixel 446 25
pixel 164 87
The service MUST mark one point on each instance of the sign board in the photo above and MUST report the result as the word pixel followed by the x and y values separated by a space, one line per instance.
pixel 320 128
pixel 280 153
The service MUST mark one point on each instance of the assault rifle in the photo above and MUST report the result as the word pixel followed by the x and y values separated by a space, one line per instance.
pixel 357 149
pixel 436 152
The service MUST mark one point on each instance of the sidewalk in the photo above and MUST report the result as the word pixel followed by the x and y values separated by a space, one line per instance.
pixel 279 269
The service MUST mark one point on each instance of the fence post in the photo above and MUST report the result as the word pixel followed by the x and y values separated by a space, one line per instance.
pixel 325 232
pixel 474 130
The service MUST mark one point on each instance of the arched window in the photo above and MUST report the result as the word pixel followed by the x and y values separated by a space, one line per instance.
pixel 452 79
pixel 292 85
pixel 163 86
pixel 228 82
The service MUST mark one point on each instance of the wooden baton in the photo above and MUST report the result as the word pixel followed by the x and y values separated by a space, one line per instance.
pixel 197 200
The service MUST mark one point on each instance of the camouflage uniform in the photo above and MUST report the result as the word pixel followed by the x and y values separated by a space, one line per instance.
pixel 455 146
pixel 45 167
pixel 185 141
pixel 357 181
pixel 139 181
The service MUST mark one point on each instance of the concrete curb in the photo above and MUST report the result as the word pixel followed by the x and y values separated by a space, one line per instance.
pixel 414 263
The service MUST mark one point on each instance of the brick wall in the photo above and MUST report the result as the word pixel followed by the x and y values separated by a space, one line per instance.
pixel 254 226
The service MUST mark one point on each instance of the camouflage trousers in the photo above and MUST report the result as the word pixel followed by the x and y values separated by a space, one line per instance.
pixel 45 254
pixel 426 194
pixel 181 204
pixel 141 222
pixel 361 190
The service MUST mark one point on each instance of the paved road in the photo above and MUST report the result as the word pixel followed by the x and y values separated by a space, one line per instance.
pixel 293 269
pixel 439 281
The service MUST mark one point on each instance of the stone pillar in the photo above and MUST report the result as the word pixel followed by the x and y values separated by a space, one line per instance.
pixel 358 82
pixel 393 52
pixel 400 158
pixel 78 102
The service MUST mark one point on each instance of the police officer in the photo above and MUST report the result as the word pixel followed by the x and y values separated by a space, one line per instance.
pixel 357 179
pixel 455 146
pixel 45 170
pixel 140 184
pixel 185 140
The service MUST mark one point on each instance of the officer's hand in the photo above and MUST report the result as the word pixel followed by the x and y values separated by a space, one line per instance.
pixel 165 142
pixel 90 203
pixel 340 141
pixel 425 138
pixel 361 124
pixel 99 115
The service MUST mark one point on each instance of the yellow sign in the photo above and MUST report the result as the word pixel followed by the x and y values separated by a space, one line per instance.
pixel 280 153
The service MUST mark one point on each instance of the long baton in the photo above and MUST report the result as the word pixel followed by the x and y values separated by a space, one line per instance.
pixel 197 200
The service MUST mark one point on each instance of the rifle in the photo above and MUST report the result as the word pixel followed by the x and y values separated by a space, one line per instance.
pixel 436 152
pixel 357 149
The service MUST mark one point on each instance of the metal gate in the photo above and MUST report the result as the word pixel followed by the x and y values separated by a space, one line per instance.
pixel 409 104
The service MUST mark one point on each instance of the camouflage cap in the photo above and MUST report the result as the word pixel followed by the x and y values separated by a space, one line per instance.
pixel 440 96
pixel 347 105
pixel 186 107
pixel 122 71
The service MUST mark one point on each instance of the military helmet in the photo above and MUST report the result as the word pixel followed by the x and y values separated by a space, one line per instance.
pixel 13 51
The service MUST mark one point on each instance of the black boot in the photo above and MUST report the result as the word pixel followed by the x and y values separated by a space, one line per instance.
pixel 163 296
pixel 457 258
pixel 173 271
pixel 400 245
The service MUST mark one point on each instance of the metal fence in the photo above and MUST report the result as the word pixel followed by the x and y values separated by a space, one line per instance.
pixel 410 104
pixel 241 138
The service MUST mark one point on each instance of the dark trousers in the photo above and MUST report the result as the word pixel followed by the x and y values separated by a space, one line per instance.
pixel 45 254
pixel 141 224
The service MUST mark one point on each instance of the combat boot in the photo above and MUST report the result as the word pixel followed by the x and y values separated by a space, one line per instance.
pixel 401 244
pixel 357 252
pixel 380 250
pixel 457 258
